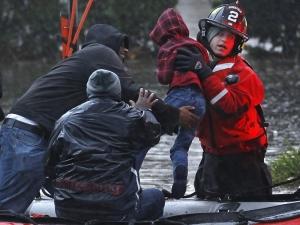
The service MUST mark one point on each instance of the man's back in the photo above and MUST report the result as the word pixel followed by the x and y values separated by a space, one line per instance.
pixel 103 128
pixel 63 87
pixel 96 143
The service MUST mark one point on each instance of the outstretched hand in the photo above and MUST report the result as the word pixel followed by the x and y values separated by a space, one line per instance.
pixel 187 118
pixel 190 59
pixel 145 101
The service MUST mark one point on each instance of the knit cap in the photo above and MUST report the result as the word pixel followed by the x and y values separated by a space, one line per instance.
pixel 103 83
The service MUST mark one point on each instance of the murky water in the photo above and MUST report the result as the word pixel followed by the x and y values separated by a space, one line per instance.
pixel 157 168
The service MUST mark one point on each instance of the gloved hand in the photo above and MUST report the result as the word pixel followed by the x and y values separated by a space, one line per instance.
pixel 180 181
pixel 190 59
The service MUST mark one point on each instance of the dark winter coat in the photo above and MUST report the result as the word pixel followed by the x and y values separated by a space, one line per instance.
pixel 91 157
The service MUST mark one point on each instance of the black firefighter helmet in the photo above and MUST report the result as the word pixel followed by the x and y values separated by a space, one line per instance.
pixel 230 17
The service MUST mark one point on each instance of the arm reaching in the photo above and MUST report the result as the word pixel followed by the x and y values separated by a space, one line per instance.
pixel 145 100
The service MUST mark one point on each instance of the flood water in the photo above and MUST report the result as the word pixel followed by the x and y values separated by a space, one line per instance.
pixel 281 105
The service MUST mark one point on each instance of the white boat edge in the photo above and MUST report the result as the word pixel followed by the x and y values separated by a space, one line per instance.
pixel 45 206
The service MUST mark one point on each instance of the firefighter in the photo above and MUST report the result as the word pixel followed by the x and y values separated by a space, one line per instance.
pixel 232 133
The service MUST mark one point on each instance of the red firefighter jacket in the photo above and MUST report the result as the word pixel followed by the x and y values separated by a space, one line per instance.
pixel 171 33
pixel 232 123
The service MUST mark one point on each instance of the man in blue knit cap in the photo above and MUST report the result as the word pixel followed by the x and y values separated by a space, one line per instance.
pixel 92 153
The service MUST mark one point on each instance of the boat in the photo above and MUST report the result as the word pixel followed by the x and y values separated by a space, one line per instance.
pixel 277 209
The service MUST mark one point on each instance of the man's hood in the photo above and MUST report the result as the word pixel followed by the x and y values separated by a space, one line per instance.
pixel 169 25
pixel 106 35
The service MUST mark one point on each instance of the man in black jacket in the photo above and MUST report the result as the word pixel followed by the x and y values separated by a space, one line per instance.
pixel 92 152
pixel 25 130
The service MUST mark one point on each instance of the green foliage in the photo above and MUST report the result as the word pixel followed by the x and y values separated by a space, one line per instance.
pixel 134 17
pixel 30 28
pixel 274 21
pixel 287 165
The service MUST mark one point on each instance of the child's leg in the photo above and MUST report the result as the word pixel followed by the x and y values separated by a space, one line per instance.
pixel 179 152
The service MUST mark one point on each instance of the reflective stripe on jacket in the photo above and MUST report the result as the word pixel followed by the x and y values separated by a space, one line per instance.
pixel 232 123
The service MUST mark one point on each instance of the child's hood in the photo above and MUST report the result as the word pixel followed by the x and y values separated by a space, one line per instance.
pixel 170 24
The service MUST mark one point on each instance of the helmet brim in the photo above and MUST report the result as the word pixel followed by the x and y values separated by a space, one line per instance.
pixel 223 26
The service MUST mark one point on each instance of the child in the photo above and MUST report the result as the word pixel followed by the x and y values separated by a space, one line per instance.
pixel 232 132
pixel 171 33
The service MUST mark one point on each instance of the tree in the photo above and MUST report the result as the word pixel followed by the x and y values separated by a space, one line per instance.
pixel 134 17
pixel 30 28
pixel 273 21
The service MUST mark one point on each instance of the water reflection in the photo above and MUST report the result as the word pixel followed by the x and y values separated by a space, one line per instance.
pixel 157 168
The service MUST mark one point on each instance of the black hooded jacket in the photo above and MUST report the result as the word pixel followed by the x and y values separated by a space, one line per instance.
pixel 64 87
